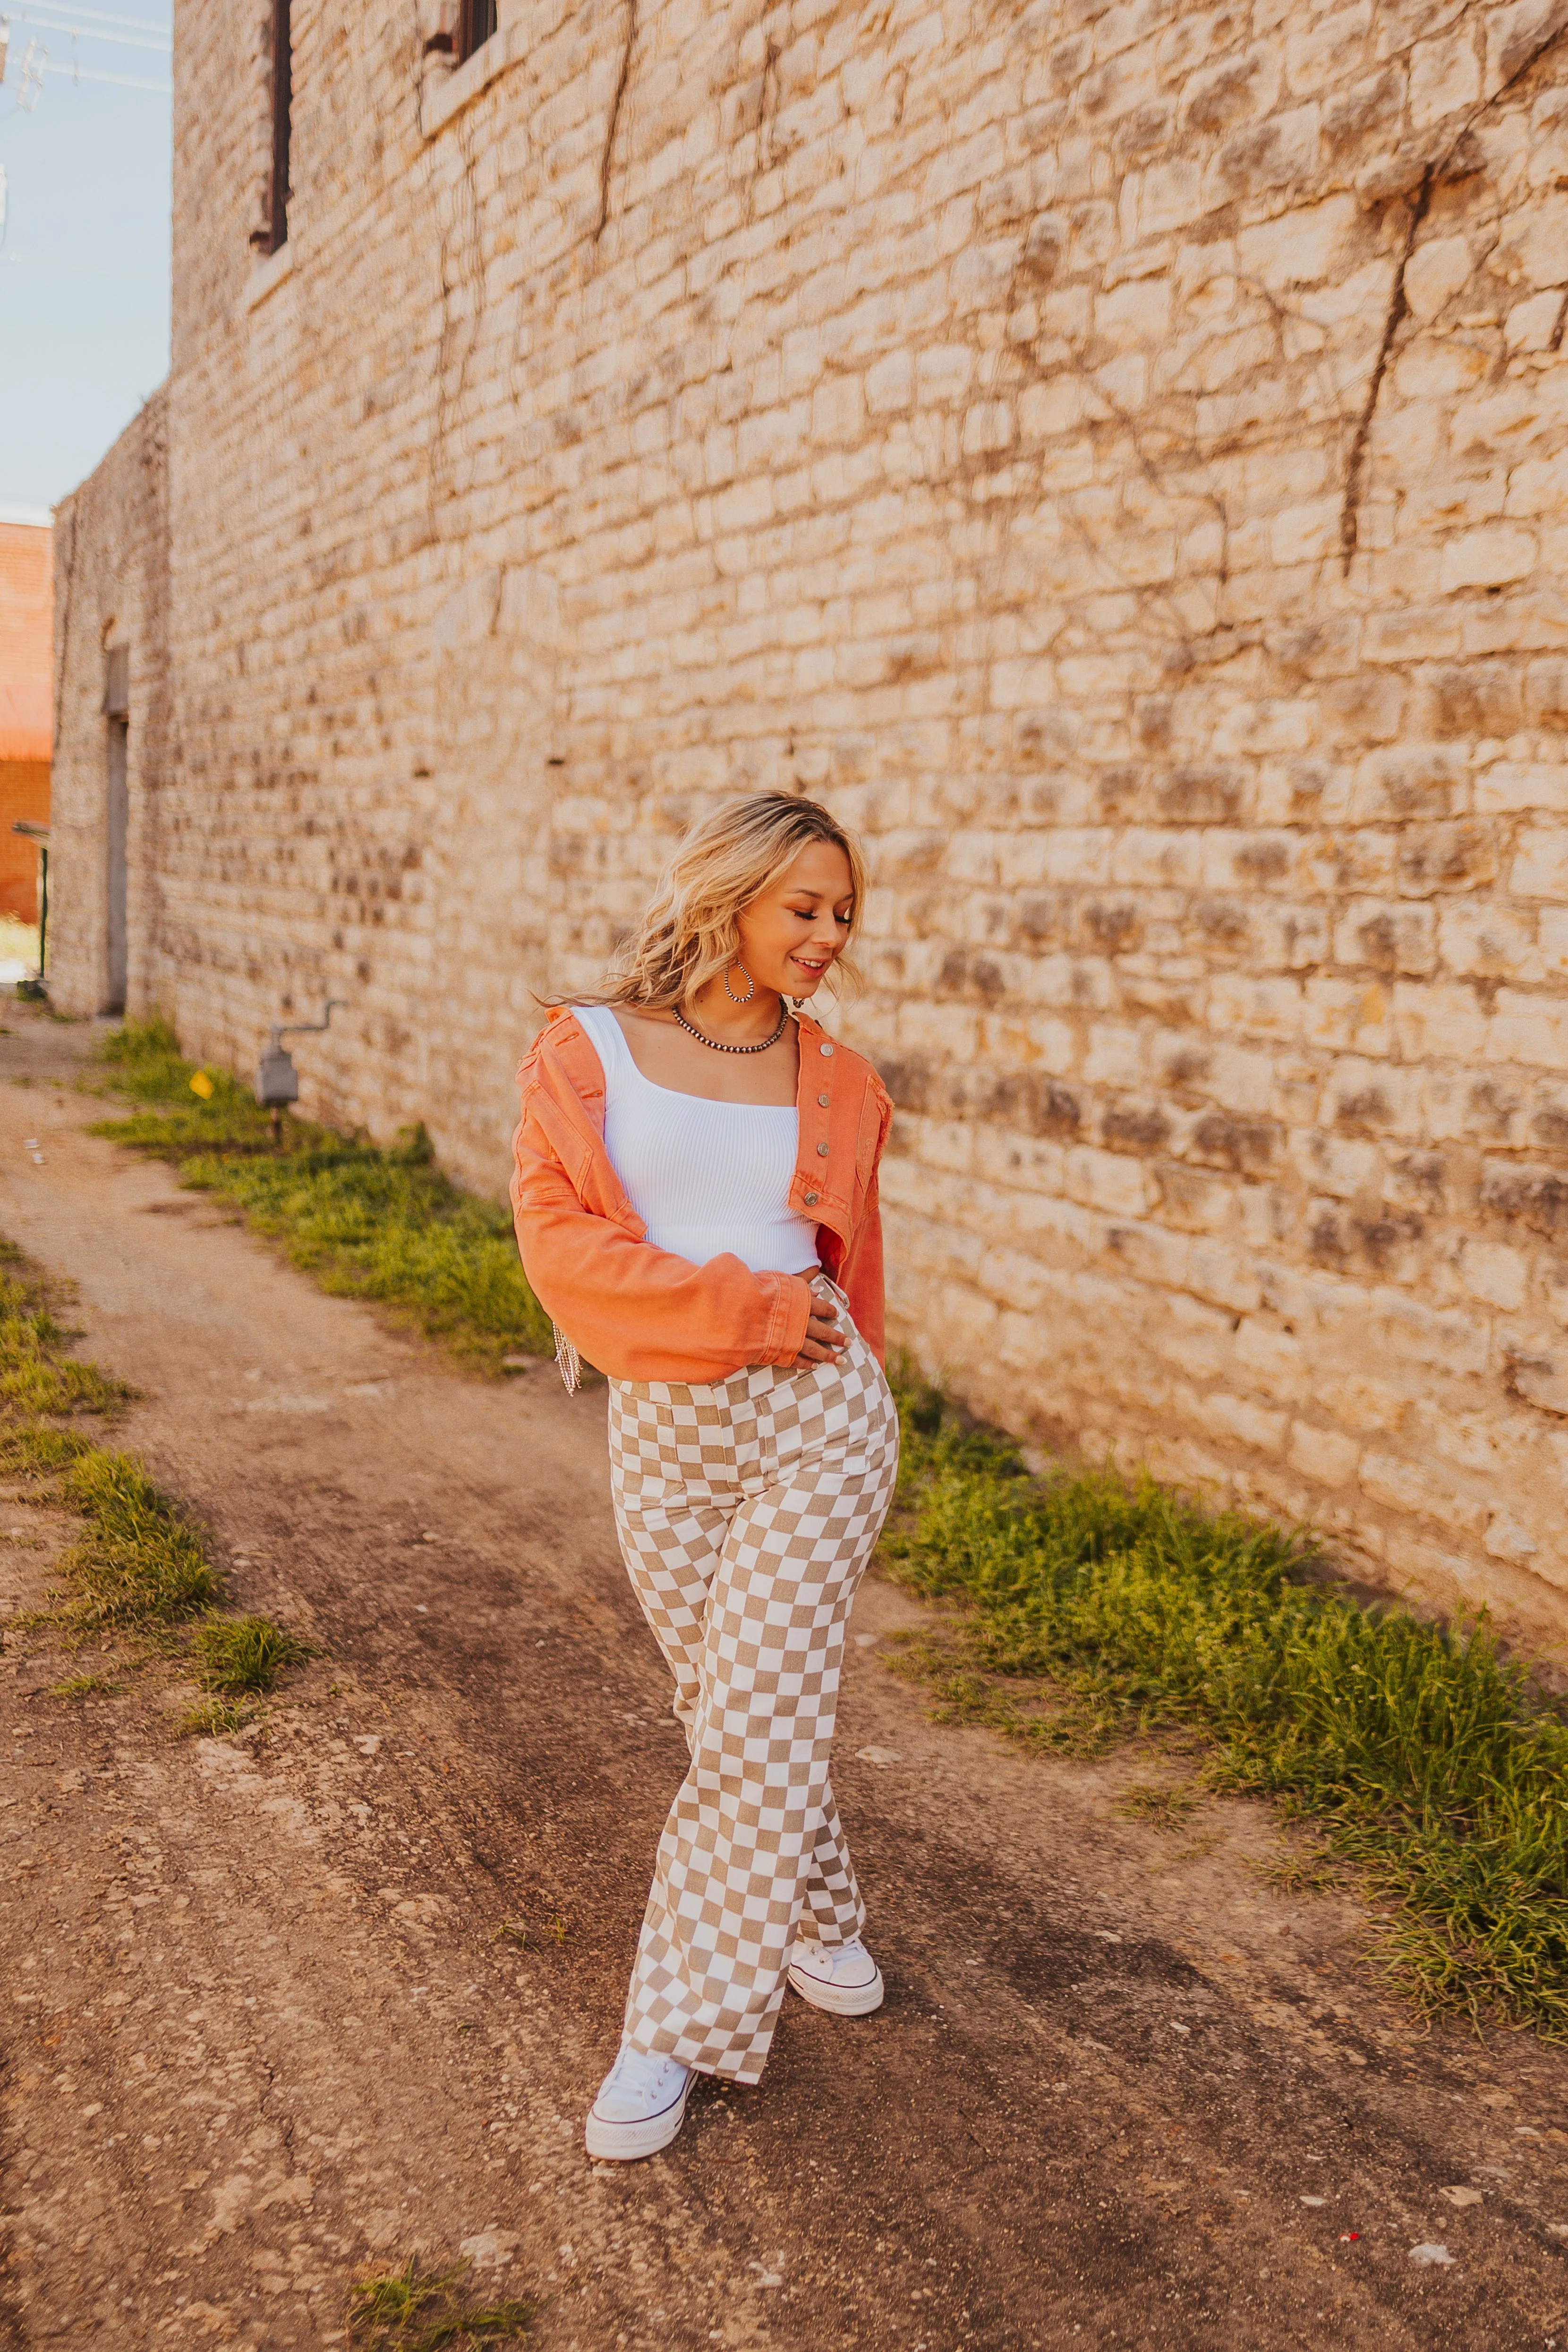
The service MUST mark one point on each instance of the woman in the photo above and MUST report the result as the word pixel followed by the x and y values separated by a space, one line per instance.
pixel 696 1204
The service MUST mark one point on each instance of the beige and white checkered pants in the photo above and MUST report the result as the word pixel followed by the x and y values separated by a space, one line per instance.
pixel 747 1512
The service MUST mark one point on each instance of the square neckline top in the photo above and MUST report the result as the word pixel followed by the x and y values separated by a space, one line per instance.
pixel 707 1178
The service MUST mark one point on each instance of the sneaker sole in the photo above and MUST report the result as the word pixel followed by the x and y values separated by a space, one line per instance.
pixel 840 2001
pixel 609 2143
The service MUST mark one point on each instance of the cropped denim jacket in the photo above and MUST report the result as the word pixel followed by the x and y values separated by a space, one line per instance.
pixel 642 1314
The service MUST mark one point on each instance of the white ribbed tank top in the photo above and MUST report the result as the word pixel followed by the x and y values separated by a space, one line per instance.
pixel 704 1177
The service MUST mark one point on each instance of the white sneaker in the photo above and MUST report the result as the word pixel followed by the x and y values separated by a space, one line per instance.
pixel 842 1978
pixel 640 2107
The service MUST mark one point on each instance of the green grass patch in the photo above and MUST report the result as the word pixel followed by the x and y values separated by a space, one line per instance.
pixel 238 1654
pixel 139 1573
pixel 87 1686
pixel 413 2310
pixel 40 1384
pixel 142 1565
pixel 367 1220
pixel 1300 1874
pixel 1164 1805
pixel 1091 1607
pixel 214 1718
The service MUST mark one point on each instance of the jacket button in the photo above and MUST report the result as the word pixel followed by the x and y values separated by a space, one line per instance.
pixel 811 1200
pixel 822 1150
pixel 825 1050
pixel 824 1101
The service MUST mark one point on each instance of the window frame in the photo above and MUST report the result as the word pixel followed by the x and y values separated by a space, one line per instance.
pixel 274 234
pixel 476 23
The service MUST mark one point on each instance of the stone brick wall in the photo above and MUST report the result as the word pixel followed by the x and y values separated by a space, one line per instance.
pixel 1117 456
pixel 111 557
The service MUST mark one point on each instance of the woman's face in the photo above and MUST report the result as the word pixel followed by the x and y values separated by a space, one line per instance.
pixel 793 933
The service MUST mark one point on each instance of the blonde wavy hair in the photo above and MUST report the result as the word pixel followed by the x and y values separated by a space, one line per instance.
pixel 690 933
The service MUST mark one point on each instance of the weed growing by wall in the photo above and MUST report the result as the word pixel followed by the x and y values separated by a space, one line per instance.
pixel 1090 1607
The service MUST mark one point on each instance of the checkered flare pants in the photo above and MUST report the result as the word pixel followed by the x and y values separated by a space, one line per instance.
pixel 747 1512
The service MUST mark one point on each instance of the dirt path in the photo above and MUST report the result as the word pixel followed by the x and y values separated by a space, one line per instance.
pixel 275 2005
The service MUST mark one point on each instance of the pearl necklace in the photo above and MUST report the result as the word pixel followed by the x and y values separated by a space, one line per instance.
pixel 719 1047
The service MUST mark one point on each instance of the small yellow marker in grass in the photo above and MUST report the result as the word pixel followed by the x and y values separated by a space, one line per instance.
pixel 201 1085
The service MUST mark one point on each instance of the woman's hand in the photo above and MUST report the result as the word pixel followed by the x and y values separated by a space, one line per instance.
pixel 825 1341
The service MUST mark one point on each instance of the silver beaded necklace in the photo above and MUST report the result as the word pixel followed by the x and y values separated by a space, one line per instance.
pixel 719 1047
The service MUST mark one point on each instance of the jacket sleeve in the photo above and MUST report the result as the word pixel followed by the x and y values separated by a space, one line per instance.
pixel 638 1313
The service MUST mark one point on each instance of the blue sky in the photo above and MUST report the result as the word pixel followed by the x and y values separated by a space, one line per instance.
pixel 84 267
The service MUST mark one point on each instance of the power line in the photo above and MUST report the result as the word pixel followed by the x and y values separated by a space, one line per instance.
pixel 119 81
pixel 78 31
pixel 84 17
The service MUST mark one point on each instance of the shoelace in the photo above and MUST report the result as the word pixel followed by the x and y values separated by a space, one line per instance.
pixel 637 2074
pixel 834 1955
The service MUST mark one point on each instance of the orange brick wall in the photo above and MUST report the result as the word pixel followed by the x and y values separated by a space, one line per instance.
pixel 26 603
pixel 27 636
pixel 24 793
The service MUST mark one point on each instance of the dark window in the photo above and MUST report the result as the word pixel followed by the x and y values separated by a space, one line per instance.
pixel 117 682
pixel 276 232
pixel 476 23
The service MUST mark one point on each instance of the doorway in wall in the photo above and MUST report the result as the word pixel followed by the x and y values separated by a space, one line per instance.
pixel 117 716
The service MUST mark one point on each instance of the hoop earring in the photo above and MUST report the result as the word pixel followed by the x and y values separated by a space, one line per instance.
pixel 751 987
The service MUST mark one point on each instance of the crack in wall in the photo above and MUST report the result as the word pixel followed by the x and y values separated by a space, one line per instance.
pixel 1397 310
pixel 1435 171
pixel 614 124
pixel 767 116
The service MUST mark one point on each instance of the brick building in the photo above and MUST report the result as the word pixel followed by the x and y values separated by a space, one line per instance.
pixel 1116 455
pixel 27 701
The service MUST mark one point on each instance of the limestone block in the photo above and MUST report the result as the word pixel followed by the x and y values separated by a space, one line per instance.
pixel 1435 272
pixel 1529 326
pixel 1335 1164
pixel 1447 1022
pixel 1443 1340
pixel 1493 1271
pixel 1404 1486
pixel 1494 942
pixel 1444 75
pixel 1488 558
pixel 1530 1029
pixel 1327 1456
pixel 1535 245
pixel 1315 56
pixel 1274 1357
pixel 1539 486
pixel 1387 936
pixel 1371 1406
pixel 1540 1380
pixel 1241 1420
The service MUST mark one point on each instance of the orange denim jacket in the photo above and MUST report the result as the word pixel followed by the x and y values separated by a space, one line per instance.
pixel 643 1314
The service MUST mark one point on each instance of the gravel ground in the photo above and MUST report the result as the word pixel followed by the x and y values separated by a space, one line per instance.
pixel 283 2005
